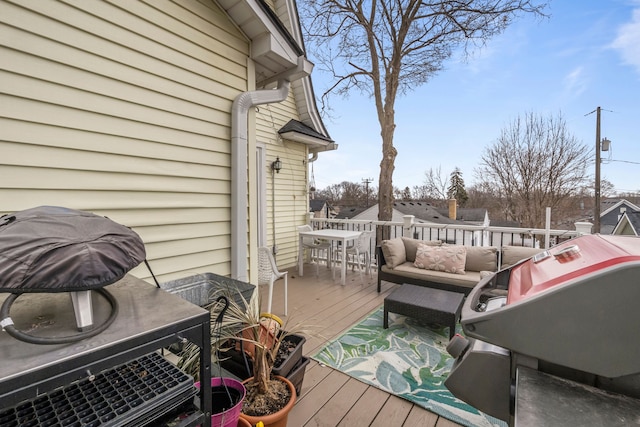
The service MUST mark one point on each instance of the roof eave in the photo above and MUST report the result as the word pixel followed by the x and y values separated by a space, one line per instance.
pixel 273 49
pixel 315 144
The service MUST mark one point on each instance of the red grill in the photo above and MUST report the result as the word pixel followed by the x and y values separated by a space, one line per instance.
pixel 568 314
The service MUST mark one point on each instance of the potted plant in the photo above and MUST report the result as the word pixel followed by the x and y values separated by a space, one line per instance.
pixel 269 398
pixel 239 360
pixel 227 394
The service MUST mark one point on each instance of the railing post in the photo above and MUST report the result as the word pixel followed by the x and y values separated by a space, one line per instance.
pixel 547 227
pixel 583 227
pixel 309 217
pixel 407 226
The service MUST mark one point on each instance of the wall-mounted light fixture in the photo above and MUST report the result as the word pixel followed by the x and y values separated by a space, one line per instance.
pixel 276 165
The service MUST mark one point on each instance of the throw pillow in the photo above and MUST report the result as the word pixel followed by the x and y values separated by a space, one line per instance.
pixel 481 258
pixel 411 246
pixel 394 252
pixel 450 259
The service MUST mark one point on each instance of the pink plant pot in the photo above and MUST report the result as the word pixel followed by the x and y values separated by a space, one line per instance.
pixel 229 416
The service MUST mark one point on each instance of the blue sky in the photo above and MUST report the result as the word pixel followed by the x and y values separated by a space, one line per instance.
pixel 587 54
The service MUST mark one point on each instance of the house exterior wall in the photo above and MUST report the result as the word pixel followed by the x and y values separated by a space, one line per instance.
pixel 123 109
pixel 612 217
pixel 287 193
pixel 626 230
pixel 322 213
pixel 625 226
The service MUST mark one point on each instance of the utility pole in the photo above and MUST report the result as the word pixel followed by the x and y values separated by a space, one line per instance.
pixel 603 143
pixel 366 182
pixel 596 209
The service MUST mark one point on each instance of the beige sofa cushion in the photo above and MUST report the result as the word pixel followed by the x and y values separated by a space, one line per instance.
pixel 469 279
pixel 513 254
pixel 411 246
pixel 450 258
pixel 482 258
pixel 394 252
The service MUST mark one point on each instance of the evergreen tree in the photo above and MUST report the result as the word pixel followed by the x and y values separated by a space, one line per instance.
pixel 456 188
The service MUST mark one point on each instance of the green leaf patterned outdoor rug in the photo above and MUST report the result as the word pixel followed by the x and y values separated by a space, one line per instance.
pixel 409 360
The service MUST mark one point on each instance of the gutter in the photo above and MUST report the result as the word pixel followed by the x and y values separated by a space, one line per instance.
pixel 239 177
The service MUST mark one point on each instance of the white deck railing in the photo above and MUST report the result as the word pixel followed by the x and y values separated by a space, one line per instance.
pixel 470 235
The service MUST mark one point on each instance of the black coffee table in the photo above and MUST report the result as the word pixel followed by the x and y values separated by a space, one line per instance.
pixel 426 304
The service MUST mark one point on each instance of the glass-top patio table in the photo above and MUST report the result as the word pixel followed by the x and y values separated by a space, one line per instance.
pixel 342 236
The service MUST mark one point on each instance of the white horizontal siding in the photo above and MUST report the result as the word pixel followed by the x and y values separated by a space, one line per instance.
pixel 289 187
pixel 122 108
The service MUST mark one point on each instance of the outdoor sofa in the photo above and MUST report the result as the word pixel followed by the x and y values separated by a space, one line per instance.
pixel 397 263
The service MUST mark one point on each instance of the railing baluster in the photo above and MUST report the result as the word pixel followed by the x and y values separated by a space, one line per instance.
pixel 453 233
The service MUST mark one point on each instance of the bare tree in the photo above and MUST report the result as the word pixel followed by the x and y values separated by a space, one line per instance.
pixel 388 47
pixel 483 195
pixel 353 194
pixel 534 164
pixel 347 194
pixel 607 189
pixel 419 192
pixel 332 193
pixel 631 196
pixel 435 184
pixel 404 194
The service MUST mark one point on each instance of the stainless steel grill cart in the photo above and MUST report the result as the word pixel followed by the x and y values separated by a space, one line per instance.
pixel 148 319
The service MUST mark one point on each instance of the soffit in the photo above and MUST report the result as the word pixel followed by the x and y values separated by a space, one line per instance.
pixel 273 50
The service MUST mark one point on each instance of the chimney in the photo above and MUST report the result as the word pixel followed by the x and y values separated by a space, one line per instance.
pixel 453 209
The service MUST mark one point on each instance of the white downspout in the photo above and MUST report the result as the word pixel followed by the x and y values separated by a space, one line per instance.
pixel 239 177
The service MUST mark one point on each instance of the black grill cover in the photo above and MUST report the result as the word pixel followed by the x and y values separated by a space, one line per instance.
pixel 55 249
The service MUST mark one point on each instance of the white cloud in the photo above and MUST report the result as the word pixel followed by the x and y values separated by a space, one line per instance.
pixel 627 41
pixel 575 82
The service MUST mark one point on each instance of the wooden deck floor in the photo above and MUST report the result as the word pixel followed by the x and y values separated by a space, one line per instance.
pixel 329 397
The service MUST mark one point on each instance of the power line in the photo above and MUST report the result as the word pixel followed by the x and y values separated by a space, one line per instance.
pixel 624 161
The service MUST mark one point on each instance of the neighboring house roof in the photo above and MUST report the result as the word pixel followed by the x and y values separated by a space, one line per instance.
pixel 316 205
pixel 607 203
pixel 467 214
pixel 423 211
pixel 611 216
pixel 350 212
pixel 364 213
pixel 615 204
pixel 629 224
